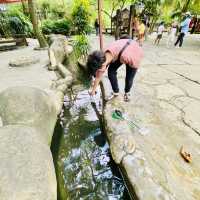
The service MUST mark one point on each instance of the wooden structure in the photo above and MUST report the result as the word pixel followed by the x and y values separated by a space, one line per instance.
pixel 121 19
pixel 13 43
pixel 122 22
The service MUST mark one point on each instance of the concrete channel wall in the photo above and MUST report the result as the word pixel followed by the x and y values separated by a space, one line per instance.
pixel 29 105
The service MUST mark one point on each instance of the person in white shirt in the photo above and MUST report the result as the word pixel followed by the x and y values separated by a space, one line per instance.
pixel 161 28
pixel 172 34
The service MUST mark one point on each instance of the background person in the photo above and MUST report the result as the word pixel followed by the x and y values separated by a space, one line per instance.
pixel 135 25
pixel 96 25
pixel 172 34
pixel 141 32
pixel 184 29
pixel 122 51
pixel 160 31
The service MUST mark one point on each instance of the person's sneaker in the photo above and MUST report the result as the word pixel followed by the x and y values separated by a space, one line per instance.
pixel 127 97
pixel 113 95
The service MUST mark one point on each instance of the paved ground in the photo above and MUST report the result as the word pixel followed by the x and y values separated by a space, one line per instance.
pixel 166 101
pixel 35 75
pixel 27 120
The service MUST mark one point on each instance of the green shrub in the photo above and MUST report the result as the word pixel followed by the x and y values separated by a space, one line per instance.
pixel 17 19
pixel 16 25
pixel 58 11
pixel 4 26
pixel 81 46
pixel 81 16
pixel 61 26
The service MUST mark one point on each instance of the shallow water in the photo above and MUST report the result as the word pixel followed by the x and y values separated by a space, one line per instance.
pixel 84 168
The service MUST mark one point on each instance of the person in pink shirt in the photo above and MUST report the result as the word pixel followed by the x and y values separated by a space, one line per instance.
pixel 123 51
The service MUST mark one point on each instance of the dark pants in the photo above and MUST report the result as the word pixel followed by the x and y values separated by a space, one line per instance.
pixel 112 75
pixel 180 39
pixel 97 30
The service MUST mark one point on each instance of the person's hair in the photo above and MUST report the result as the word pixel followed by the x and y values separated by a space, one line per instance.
pixel 125 37
pixel 94 61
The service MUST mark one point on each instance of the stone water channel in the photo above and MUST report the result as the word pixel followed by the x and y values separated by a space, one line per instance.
pixel 84 167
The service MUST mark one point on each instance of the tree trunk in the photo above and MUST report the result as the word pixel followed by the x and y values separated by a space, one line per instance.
pixel 100 4
pixel 111 25
pixel 130 25
pixel 37 32
pixel 154 19
pixel 118 25
pixel 24 7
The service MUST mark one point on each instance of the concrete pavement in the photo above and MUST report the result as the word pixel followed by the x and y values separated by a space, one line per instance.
pixel 166 101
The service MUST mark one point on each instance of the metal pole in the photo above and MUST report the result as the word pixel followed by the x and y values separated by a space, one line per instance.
pixel 100 23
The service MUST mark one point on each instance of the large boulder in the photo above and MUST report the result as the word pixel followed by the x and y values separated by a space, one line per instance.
pixel 31 107
pixel 24 61
pixel 26 167
pixel 59 50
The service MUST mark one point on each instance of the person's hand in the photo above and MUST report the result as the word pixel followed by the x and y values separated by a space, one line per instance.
pixel 92 93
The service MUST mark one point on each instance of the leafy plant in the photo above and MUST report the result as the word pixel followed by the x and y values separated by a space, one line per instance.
pixel 81 46
pixel 4 25
pixel 16 25
pixel 45 8
pixel 61 26
pixel 17 19
pixel 58 11
pixel 81 16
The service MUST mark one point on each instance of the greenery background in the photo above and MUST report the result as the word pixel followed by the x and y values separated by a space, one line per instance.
pixel 76 17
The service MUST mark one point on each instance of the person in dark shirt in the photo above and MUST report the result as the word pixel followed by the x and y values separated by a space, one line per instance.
pixel 96 25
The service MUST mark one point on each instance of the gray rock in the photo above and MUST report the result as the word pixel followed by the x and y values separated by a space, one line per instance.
pixel 41 49
pixel 31 107
pixel 64 71
pixel 26 167
pixel 165 100
pixel 24 61
pixel 59 50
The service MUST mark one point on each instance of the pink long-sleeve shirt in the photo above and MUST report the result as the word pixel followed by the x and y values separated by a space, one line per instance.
pixel 132 55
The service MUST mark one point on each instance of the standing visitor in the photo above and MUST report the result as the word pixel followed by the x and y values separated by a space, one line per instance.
pixel 160 31
pixel 141 31
pixel 184 29
pixel 135 25
pixel 96 25
pixel 172 34
pixel 122 51
pixel 147 26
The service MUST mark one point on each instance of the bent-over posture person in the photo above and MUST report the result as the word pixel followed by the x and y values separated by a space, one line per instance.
pixel 123 51
pixel 160 31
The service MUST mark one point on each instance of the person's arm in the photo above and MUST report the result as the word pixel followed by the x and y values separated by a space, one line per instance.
pixel 94 86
